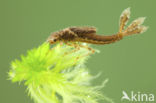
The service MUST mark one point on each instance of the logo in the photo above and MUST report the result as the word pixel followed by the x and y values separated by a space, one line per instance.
pixel 137 96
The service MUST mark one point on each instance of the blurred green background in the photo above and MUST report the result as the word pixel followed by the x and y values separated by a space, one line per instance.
pixel 129 64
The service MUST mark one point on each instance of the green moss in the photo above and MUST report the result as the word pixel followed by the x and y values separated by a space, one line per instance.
pixel 52 76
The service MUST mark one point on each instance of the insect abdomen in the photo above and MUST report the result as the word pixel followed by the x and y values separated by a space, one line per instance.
pixel 98 39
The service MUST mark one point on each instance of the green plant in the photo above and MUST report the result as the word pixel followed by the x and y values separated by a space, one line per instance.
pixel 52 76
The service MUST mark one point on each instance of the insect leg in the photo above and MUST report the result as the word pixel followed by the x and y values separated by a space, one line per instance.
pixel 76 47
pixel 91 50
pixel 88 48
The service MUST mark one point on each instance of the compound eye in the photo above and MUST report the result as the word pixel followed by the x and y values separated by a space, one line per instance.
pixel 54 40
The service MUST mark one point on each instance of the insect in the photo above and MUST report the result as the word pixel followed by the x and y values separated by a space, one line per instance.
pixel 88 34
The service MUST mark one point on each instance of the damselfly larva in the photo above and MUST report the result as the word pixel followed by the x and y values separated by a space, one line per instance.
pixel 88 34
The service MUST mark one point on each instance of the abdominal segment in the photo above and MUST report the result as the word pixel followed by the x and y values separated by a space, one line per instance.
pixel 98 39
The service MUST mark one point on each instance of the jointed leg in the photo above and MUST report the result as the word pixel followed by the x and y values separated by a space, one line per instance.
pixel 76 47
pixel 91 51
pixel 88 48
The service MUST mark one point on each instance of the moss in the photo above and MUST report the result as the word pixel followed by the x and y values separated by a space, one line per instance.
pixel 56 75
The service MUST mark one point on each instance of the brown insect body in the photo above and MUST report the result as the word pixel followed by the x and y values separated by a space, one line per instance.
pixel 88 34
pixel 82 34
